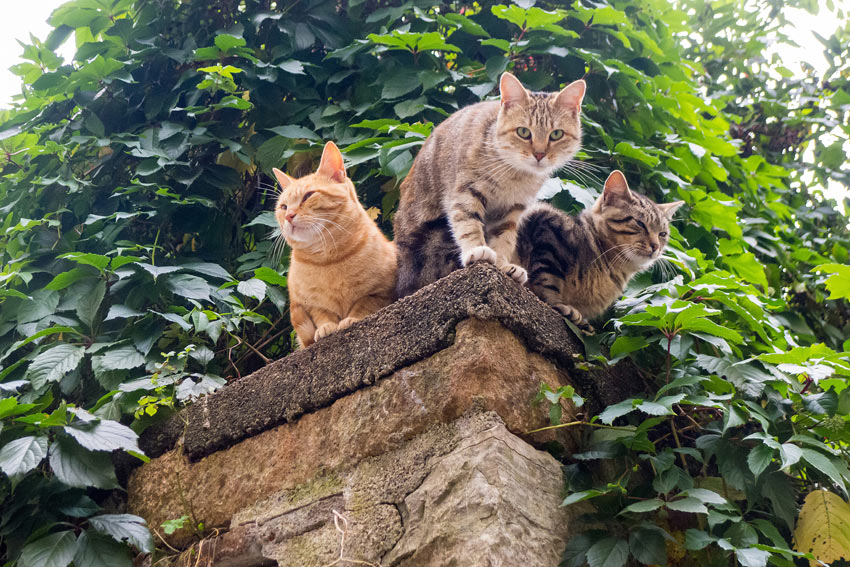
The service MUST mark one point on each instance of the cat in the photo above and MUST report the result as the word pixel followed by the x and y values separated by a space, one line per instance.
pixel 580 265
pixel 475 175
pixel 342 267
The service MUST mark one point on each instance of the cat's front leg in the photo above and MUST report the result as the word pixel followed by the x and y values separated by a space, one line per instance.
pixel 502 236
pixel 326 322
pixel 574 316
pixel 305 329
pixel 467 207
pixel 364 306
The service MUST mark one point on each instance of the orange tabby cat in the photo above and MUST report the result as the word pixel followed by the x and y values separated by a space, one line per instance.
pixel 342 267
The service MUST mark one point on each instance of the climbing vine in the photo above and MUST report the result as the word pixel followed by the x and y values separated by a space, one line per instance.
pixel 139 267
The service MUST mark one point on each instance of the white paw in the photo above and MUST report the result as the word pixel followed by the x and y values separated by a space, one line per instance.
pixel 325 330
pixel 517 273
pixel 347 322
pixel 478 254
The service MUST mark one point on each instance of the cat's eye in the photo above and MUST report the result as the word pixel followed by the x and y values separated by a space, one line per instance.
pixel 523 133
pixel 640 224
pixel 307 195
pixel 556 134
pixel 282 206
pixel 662 234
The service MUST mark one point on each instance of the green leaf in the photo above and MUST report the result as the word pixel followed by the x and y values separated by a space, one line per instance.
pixel 227 42
pixel 252 288
pixel 295 132
pixel 759 458
pixel 22 455
pixel 95 550
pixel 125 528
pixel 752 557
pixel 89 303
pixel 648 546
pixel 270 276
pixel 54 550
pixel 644 506
pixel 53 363
pixel 42 333
pixel 626 344
pixel 748 267
pixel 688 504
pixel 618 410
pixel 609 552
pixel 63 280
pixel 580 496
pixel 827 466
pixel 78 467
pixel 697 539
pixel 207 269
pixel 838 284
pixel 188 286
pixel 104 436
pixel 626 149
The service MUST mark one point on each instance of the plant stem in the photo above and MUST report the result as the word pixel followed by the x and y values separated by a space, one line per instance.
pixel 574 423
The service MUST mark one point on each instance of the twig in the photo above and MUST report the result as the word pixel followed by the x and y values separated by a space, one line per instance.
pixel 343 529
pixel 574 423
pixel 162 539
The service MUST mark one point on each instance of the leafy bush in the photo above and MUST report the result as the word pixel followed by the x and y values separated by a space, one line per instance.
pixel 138 271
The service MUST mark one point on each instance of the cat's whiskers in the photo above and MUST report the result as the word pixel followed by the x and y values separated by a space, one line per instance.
pixel 602 255
pixel 329 221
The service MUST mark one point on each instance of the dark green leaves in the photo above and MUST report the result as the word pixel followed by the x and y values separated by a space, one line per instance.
pixel 125 527
pixel 54 550
pixel 78 467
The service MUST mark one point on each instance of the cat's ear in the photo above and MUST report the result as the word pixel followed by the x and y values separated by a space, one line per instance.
pixel 571 96
pixel 616 188
pixel 332 165
pixel 282 178
pixel 511 90
pixel 669 209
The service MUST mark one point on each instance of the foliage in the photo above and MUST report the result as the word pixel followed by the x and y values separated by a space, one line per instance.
pixel 138 272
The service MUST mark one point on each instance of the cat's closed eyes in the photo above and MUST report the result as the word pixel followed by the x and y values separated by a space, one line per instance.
pixel 342 267
pixel 476 174
pixel 580 265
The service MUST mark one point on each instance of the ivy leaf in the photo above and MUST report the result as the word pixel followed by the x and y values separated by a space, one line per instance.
pixel 609 552
pixel 825 465
pixel 95 550
pixel 22 455
pixel 53 363
pixel 253 288
pixel 838 283
pixel 759 459
pixel 188 286
pixel 823 528
pixel 125 528
pixel 648 546
pixel 78 467
pixel 644 506
pixel 688 504
pixel 618 410
pixel 752 557
pixel 105 435
pixel 89 303
pixel 54 550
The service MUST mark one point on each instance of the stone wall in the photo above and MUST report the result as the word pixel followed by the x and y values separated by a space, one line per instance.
pixel 401 439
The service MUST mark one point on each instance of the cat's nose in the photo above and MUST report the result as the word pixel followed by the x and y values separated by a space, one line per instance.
pixel 653 246
pixel 539 155
pixel 290 216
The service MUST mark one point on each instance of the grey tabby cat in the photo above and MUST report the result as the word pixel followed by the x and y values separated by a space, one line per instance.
pixel 474 177
pixel 580 265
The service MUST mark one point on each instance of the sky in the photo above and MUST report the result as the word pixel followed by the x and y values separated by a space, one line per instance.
pixel 21 18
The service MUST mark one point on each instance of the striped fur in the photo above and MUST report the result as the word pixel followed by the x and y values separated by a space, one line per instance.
pixel 580 265
pixel 342 268
pixel 474 177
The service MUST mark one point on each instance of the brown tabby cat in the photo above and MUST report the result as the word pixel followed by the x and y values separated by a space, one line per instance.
pixel 342 267
pixel 580 265
pixel 474 177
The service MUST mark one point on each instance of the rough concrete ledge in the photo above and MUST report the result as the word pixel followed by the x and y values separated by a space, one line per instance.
pixel 399 335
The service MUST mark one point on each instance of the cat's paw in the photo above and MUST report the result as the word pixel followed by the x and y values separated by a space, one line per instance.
pixel 478 254
pixel 325 330
pixel 517 273
pixel 575 317
pixel 347 322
